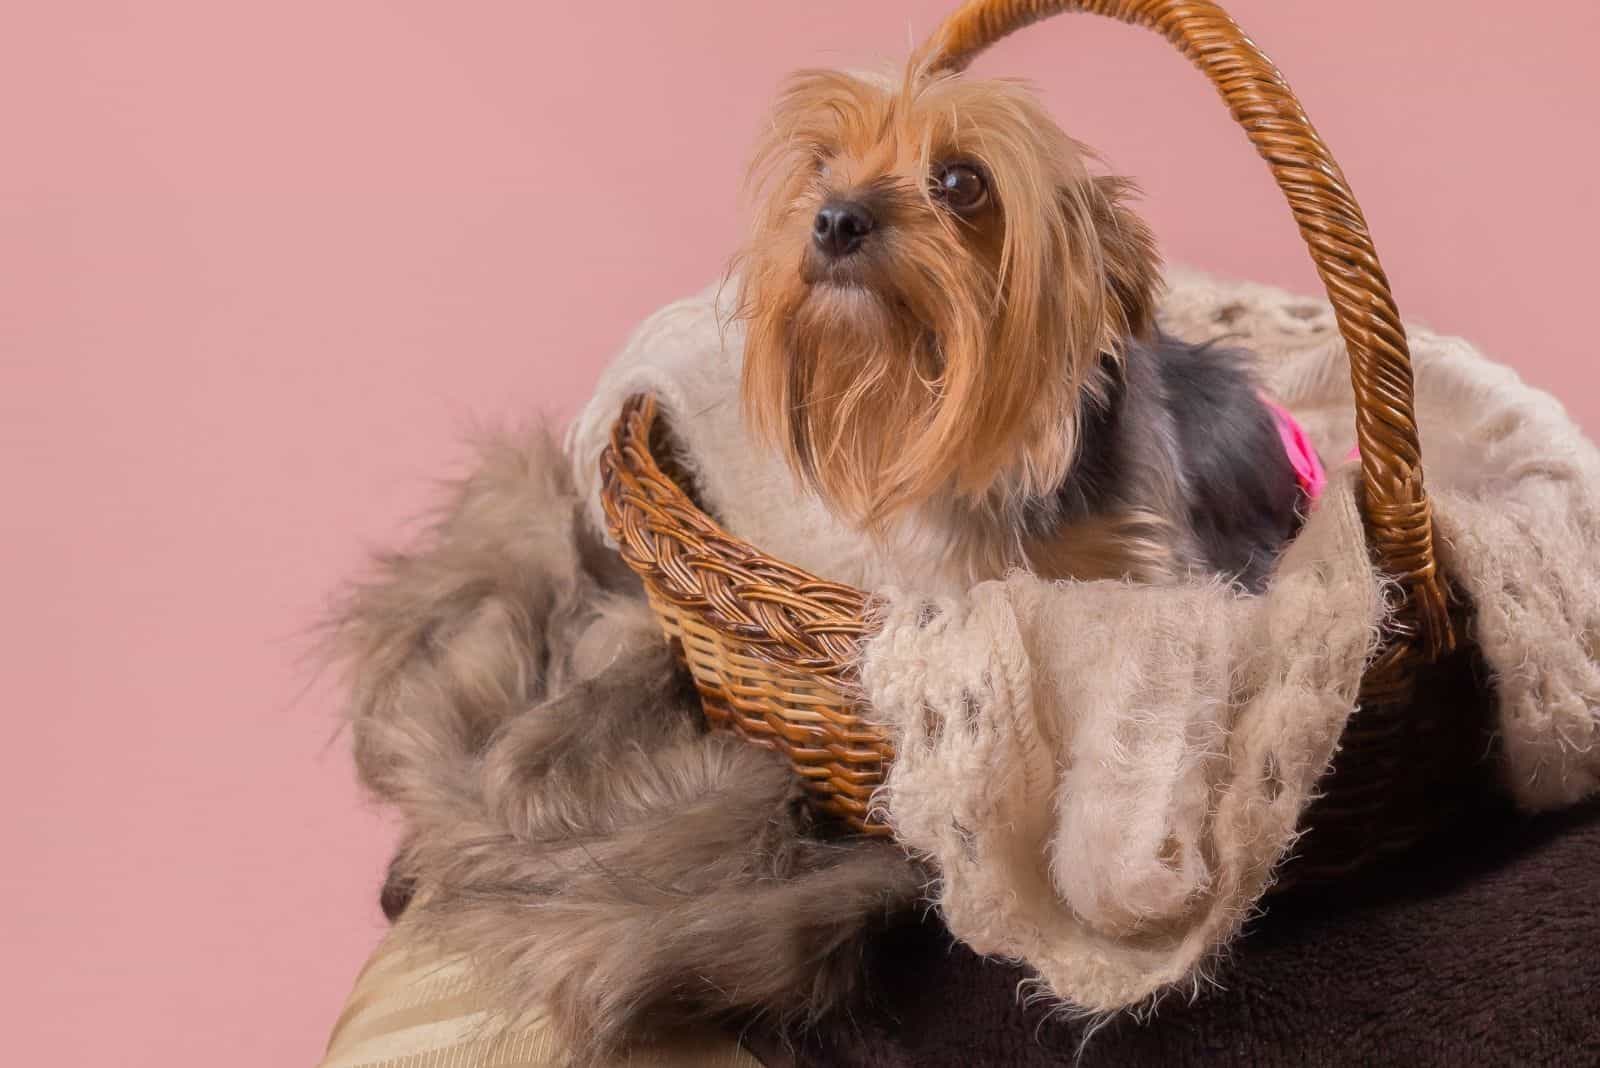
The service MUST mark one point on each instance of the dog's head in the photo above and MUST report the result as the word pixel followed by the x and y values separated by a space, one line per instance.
pixel 933 281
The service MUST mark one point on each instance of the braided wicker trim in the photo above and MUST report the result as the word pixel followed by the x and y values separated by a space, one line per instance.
pixel 792 619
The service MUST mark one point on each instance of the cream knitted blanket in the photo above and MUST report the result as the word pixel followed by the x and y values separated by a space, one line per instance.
pixel 1106 775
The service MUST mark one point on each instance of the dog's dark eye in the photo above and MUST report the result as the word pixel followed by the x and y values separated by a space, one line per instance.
pixel 961 186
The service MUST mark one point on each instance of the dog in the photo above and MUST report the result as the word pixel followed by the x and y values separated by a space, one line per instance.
pixel 951 338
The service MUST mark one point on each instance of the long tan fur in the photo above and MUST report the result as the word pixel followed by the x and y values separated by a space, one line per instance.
pixel 951 373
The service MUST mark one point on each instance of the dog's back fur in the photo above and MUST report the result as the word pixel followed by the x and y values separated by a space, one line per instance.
pixel 1180 440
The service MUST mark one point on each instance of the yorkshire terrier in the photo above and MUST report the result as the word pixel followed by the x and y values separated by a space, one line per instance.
pixel 951 337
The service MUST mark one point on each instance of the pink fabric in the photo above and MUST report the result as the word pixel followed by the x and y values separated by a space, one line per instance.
pixel 1307 464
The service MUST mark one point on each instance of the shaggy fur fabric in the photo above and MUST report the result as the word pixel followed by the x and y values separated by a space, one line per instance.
pixel 1106 775
pixel 570 826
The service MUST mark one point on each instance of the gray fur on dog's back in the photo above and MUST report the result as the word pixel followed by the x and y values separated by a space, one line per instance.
pixel 1185 423
pixel 570 826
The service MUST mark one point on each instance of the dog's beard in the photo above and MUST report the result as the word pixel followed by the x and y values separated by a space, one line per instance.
pixel 846 377
pixel 887 390
pixel 862 375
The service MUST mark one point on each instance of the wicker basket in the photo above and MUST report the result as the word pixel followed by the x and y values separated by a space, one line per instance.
pixel 772 648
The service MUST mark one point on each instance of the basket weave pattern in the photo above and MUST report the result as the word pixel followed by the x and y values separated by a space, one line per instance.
pixel 772 649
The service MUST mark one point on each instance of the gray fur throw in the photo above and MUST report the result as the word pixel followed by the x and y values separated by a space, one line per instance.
pixel 571 827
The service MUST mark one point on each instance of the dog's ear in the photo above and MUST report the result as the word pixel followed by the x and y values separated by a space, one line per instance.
pixel 1131 264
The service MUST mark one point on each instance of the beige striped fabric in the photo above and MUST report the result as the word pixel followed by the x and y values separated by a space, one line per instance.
pixel 411 1011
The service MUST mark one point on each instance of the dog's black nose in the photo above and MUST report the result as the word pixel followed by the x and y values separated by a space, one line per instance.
pixel 841 226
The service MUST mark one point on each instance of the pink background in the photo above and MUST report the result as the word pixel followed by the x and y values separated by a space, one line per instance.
pixel 260 264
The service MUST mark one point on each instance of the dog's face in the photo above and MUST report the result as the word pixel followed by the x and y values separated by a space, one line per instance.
pixel 932 283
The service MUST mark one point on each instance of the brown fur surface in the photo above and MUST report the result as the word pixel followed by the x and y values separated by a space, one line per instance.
pixel 569 824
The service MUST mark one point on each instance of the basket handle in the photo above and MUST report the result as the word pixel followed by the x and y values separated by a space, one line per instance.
pixel 1399 522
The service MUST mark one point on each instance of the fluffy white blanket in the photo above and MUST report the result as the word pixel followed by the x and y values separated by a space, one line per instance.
pixel 1106 775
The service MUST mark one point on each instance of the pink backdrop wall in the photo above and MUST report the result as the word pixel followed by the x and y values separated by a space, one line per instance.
pixel 261 263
